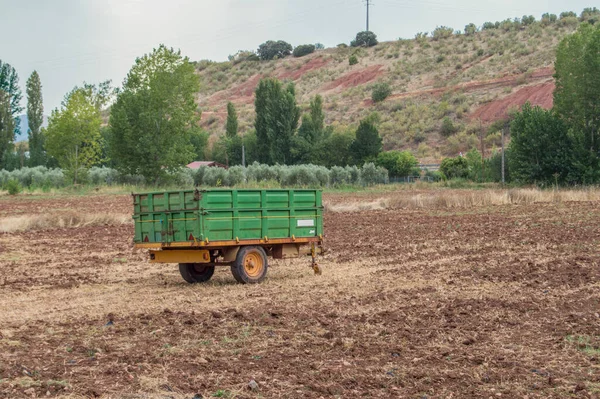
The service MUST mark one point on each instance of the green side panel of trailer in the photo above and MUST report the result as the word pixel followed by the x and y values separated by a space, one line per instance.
pixel 221 214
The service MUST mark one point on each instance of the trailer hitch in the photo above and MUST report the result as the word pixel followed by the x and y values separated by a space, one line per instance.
pixel 315 266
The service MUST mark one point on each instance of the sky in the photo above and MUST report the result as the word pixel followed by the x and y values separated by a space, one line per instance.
pixel 72 41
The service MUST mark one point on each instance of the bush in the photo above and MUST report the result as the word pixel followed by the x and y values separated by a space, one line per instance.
pixel 442 32
pixel 353 60
pixel 397 163
pixel 454 168
pixel 304 49
pixel 381 91
pixel 470 29
pixel 365 39
pixel 339 176
pixel 371 175
pixel 448 128
pixel 236 175
pixel 13 187
pixel 271 49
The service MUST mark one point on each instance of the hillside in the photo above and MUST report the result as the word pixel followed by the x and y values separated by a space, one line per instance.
pixel 470 80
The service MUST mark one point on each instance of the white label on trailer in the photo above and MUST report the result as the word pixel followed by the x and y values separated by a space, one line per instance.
pixel 306 223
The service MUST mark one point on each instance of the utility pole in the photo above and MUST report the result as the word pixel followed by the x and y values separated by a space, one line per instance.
pixel 368 4
pixel 503 133
pixel 243 156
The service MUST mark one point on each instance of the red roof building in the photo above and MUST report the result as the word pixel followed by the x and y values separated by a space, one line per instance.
pixel 211 164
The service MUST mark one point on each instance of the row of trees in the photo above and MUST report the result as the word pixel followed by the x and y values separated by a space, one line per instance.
pixel 562 145
pixel 10 111
pixel 590 15
pixel 150 126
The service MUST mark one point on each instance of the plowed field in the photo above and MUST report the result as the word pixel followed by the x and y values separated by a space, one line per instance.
pixel 485 302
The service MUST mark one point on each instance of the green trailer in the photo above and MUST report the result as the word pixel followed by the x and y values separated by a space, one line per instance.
pixel 202 229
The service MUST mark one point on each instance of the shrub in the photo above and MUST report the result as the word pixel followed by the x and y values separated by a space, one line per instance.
pixel 470 29
pixel 381 91
pixel 339 176
pixel 454 168
pixel 342 45
pixel 236 175
pixel 448 128
pixel 13 187
pixel 442 32
pixel 304 49
pixel 567 14
pixel 319 46
pixel 365 39
pixel 353 60
pixel 271 49
pixel 397 163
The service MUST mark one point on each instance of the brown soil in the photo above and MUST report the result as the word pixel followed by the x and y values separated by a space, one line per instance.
pixel 486 302
pixel 315 63
pixel 541 94
pixel 356 78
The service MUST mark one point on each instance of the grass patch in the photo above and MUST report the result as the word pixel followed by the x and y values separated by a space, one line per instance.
pixel 590 345
pixel 61 221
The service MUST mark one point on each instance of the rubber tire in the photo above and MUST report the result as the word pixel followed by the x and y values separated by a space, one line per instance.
pixel 238 270
pixel 191 275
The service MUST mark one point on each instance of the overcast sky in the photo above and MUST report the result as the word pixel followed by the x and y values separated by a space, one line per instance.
pixel 71 41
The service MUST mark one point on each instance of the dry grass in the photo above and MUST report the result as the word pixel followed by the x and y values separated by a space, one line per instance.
pixel 23 223
pixel 467 199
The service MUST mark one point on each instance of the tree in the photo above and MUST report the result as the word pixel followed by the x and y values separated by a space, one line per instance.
pixel 455 168
pixel 577 94
pixel 304 49
pixel 155 114
pixel 35 117
pixel 470 29
pixel 9 85
pixel 231 126
pixel 541 149
pixel 368 143
pixel 271 49
pixel 397 163
pixel 73 134
pixel 7 130
pixel 276 121
pixel 365 39
pixel 591 15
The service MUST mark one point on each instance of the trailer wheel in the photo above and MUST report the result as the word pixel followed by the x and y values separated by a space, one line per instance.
pixel 196 272
pixel 250 266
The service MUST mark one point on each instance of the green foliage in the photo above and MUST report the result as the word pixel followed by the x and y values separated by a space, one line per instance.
pixel 371 175
pixel 577 94
pixel 304 49
pixel 274 49
pixel 448 129
pixel 155 114
pixel 7 130
pixel 13 187
pixel 541 149
pixel 381 91
pixel 73 134
pixel 470 29
pixel 528 20
pixel 364 39
pixel 567 14
pixel 35 117
pixel 353 60
pixel 276 121
pixel 397 163
pixel 199 142
pixel 455 168
pixel 548 19
pixel 591 15
pixel 231 126
pixel 9 84
pixel 442 32
pixel 367 144
pixel 319 46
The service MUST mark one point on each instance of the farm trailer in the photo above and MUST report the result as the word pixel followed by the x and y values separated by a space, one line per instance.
pixel 201 229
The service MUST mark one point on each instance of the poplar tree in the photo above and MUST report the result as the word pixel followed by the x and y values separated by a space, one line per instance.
pixel 35 118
